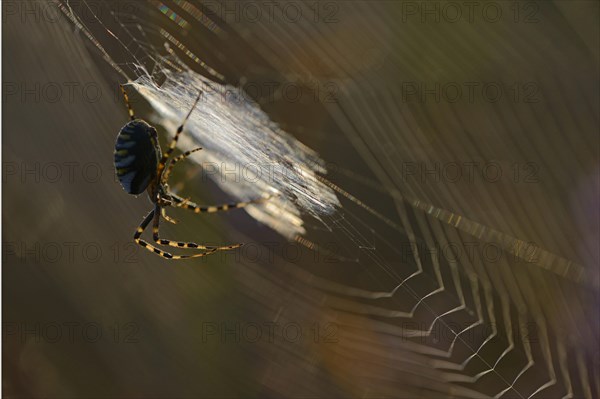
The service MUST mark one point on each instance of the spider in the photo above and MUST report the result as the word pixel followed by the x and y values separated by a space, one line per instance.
pixel 141 166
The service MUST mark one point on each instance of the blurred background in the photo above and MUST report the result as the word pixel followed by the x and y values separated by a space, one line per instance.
pixel 461 140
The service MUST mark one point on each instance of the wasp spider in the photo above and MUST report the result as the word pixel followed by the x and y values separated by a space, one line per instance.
pixel 141 166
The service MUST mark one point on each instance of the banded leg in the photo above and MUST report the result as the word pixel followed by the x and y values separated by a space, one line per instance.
pixel 186 204
pixel 129 109
pixel 151 248
pixel 173 143
pixel 173 161
pixel 180 244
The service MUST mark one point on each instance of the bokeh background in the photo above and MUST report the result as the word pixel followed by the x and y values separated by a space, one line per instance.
pixel 87 314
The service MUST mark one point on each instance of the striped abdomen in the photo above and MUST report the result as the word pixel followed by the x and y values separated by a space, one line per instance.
pixel 137 155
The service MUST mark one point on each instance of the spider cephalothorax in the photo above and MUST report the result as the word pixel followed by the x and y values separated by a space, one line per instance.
pixel 141 166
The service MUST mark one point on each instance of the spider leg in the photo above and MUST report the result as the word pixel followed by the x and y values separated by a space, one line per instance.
pixel 136 237
pixel 180 244
pixel 129 109
pixel 187 204
pixel 173 143
pixel 173 161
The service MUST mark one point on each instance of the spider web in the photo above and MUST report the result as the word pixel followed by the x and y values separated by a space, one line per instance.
pixel 425 318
